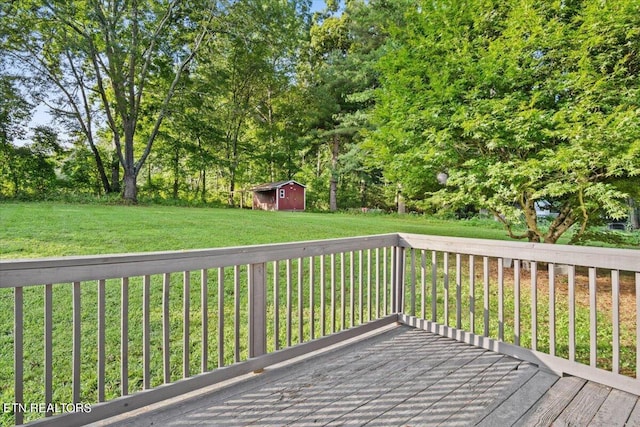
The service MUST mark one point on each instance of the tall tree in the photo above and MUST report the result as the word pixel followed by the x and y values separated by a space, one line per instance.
pixel 346 44
pixel 101 53
pixel 14 110
pixel 14 114
pixel 518 102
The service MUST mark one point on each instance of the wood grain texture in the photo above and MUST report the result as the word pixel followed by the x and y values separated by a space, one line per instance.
pixel 551 405
pixel 584 406
pixel 616 409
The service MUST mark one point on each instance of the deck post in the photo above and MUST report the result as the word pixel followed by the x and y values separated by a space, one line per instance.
pixel 257 310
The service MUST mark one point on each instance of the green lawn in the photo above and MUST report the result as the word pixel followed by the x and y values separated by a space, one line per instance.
pixel 29 230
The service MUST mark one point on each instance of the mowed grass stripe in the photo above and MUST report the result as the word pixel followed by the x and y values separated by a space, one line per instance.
pixel 31 230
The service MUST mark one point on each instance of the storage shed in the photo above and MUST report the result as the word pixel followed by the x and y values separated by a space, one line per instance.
pixel 279 196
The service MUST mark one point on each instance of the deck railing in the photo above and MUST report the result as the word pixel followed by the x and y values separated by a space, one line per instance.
pixel 95 336
pixel 100 328
pixel 573 310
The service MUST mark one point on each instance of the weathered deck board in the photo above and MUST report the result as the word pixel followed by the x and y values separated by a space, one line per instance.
pixel 348 396
pixel 551 405
pixel 326 385
pixel 584 406
pixel 403 376
pixel 492 386
pixel 519 402
pixel 383 403
pixel 417 398
pixel 489 381
pixel 634 417
pixel 616 409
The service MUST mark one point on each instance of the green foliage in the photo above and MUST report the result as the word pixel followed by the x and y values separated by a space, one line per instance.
pixel 94 64
pixel 518 102
pixel 342 78
pixel 14 110
pixel 611 238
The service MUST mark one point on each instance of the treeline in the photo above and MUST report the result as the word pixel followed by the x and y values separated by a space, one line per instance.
pixel 456 106
pixel 200 102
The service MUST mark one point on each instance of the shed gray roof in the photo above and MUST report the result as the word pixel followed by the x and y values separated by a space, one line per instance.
pixel 274 185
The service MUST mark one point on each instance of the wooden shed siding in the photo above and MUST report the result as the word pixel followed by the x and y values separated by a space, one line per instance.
pixel 293 199
pixel 268 196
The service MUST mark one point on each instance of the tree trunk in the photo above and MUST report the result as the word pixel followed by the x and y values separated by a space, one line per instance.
pixel 400 203
pixel 528 206
pixel 130 194
pixel 126 155
pixel 104 180
pixel 16 183
pixel 232 189
pixel 115 175
pixel 634 214
pixel 176 174
pixel 175 188
pixel 333 182
pixel 203 197
pixel 149 182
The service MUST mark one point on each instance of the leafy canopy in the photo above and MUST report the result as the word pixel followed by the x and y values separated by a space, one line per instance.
pixel 519 102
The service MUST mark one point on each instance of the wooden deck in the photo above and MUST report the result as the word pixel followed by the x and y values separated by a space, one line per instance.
pixel 403 376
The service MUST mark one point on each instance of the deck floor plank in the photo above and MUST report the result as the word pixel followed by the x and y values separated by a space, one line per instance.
pixel 403 376
pixel 284 392
pixel 584 406
pixel 419 398
pixel 346 395
pixel 519 402
pixel 634 417
pixel 551 405
pixel 335 393
pixel 382 403
pixel 486 402
pixel 616 409
pixel 470 402
pixel 387 397
pixel 448 405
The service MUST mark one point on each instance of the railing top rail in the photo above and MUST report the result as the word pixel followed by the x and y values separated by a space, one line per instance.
pixel 608 258
pixel 25 272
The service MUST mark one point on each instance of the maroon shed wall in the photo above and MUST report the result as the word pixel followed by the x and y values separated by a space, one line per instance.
pixel 290 197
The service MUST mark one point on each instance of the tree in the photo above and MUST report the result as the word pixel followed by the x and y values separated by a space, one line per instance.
pixel 517 102
pixel 30 168
pixel 102 54
pixel 345 48
pixel 14 113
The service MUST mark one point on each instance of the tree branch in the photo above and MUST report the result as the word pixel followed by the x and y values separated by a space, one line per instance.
pixel 507 225
pixel 167 99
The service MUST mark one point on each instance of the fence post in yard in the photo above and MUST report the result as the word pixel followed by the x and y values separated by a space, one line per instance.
pixel 257 310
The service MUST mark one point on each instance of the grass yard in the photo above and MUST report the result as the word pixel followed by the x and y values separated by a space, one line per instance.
pixel 31 230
